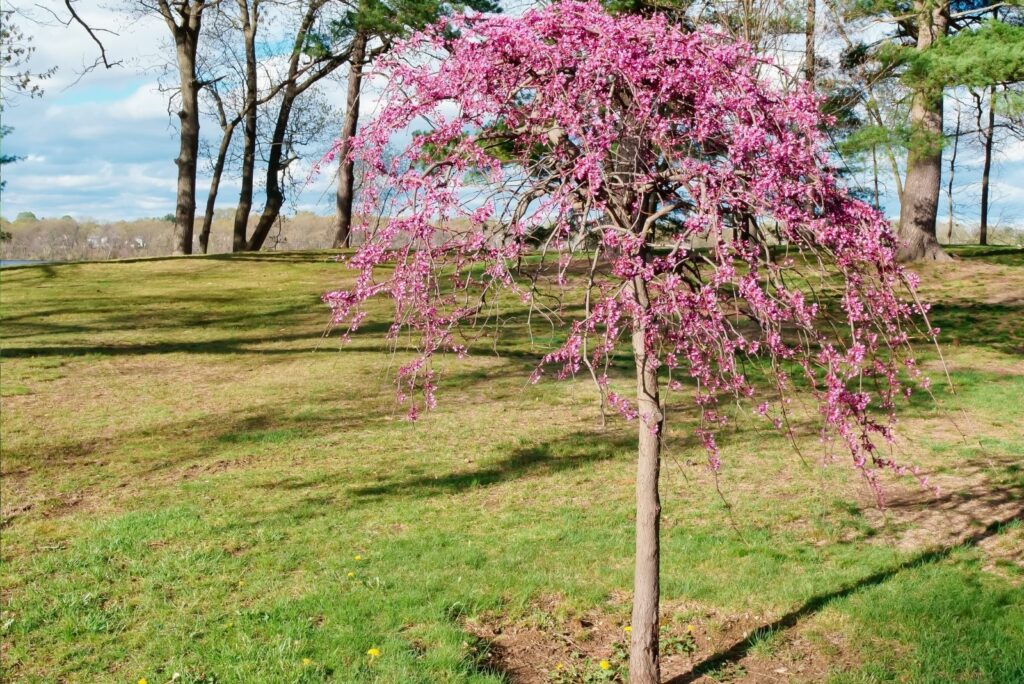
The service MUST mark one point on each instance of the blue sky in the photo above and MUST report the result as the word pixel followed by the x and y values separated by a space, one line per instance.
pixel 104 147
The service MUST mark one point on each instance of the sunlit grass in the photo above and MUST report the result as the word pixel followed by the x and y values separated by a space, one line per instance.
pixel 190 471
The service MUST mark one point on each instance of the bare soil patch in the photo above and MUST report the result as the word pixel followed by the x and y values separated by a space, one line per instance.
pixel 545 650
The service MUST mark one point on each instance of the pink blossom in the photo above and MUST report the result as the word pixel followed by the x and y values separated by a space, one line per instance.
pixel 715 153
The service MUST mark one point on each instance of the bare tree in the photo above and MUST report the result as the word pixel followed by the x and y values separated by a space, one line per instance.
pixel 346 166
pixel 987 131
pixel 227 127
pixel 809 30
pixel 952 173
pixel 184 20
pixel 316 53
pixel 249 18
pixel 378 22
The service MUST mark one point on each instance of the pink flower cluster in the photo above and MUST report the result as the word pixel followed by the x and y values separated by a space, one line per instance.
pixel 692 198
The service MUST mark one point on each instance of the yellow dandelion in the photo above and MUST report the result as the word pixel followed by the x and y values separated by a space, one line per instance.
pixel 351 574
pixel 358 557
pixel 559 666
pixel 605 665
pixel 307 661
pixel 689 628
pixel 627 629
pixel 143 680
pixel 373 653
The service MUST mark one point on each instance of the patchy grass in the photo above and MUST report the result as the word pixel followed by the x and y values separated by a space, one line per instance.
pixel 195 481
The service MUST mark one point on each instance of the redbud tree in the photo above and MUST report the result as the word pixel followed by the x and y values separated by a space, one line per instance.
pixel 658 184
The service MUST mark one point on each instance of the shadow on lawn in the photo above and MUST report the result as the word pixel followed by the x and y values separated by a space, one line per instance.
pixel 299 257
pixel 740 649
pixel 1006 255
pixel 997 326
pixel 547 458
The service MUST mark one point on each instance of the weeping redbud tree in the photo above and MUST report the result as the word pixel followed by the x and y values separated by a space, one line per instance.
pixel 652 181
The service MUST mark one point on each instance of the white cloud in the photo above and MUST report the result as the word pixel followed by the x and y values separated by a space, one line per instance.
pixel 105 147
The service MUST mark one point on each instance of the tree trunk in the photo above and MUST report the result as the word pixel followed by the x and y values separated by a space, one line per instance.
pixel 276 162
pixel 644 664
pixel 346 167
pixel 809 23
pixel 952 175
pixel 275 196
pixel 211 200
pixel 186 41
pixel 986 171
pixel 244 208
pixel 874 175
pixel 271 210
pixel 919 208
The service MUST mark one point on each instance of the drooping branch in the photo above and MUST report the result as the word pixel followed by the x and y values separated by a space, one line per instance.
pixel 692 194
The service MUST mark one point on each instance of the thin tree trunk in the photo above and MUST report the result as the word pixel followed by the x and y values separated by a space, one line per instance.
pixel 874 172
pixel 275 196
pixel 644 664
pixel 809 26
pixel 211 200
pixel 986 172
pixel 952 173
pixel 346 167
pixel 250 22
pixel 275 158
pixel 919 208
pixel 186 40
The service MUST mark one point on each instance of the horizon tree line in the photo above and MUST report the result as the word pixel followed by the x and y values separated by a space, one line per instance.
pixel 260 70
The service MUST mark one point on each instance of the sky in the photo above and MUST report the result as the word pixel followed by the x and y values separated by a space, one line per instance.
pixel 102 145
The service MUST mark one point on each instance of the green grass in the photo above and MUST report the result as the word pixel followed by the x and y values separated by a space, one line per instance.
pixel 190 471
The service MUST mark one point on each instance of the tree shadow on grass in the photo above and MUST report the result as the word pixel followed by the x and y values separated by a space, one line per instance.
pixel 1006 255
pixel 547 458
pixel 251 342
pixel 997 326
pixel 739 650
pixel 293 257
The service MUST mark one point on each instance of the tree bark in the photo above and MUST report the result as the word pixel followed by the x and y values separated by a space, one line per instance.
pixel 952 175
pixel 211 199
pixel 275 196
pixel 809 26
pixel 644 663
pixel 346 167
pixel 276 161
pixel 986 171
pixel 250 22
pixel 186 41
pixel 919 207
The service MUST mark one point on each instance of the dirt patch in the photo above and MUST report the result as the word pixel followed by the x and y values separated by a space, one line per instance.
pixel 219 466
pixel 8 514
pixel 968 502
pixel 1004 554
pixel 699 644
pixel 48 506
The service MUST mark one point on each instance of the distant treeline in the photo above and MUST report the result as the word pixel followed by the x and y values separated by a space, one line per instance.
pixel 69 239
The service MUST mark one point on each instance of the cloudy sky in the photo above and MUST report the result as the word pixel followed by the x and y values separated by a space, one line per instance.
pixel 102 145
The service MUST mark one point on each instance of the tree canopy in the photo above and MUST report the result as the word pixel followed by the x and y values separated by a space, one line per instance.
pixel 626 143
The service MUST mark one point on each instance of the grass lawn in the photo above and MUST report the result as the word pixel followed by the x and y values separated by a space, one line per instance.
pixel 198 487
